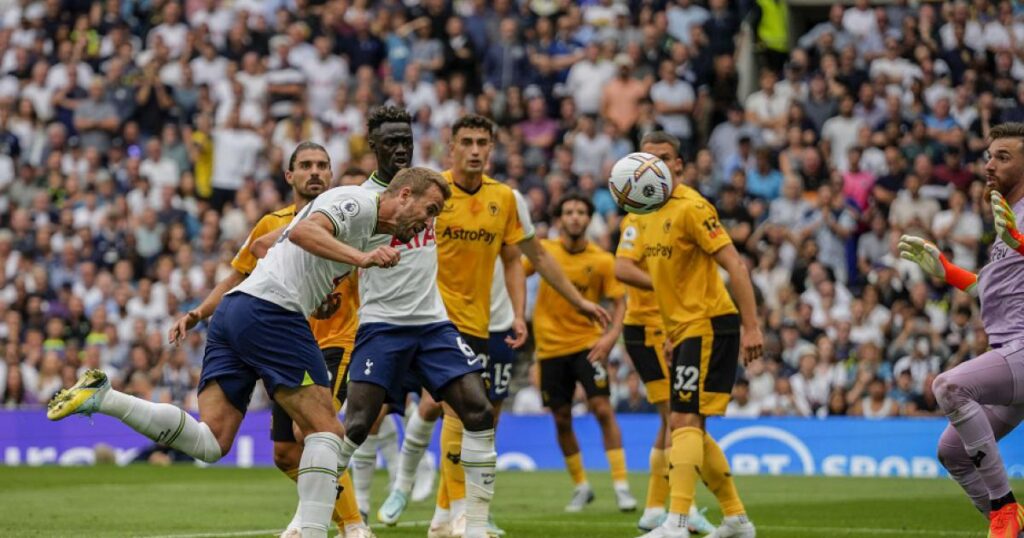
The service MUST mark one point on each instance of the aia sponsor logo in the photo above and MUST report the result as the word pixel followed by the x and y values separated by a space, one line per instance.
pixel 420 240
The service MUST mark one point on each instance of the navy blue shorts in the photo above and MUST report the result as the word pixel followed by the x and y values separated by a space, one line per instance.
pixel 252 339
pixel 392 356
pixel 500 358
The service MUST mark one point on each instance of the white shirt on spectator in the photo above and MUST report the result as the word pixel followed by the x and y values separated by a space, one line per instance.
pixel 749 410
pixel 209 71
pixel 590 154
pixel 966 224
pixel 57 76
pixel 681 19
pixel 41 98
pixel 974 36
pixel 998 36
pixel 160 173
pixel 675 94
pixel 899 68
pixel 768 107
pixel 323 78
pixel 860 22
pixel 919 368
pixel 841 134
pixel 905 209
pixel 235 154
pixel 173 35
pixel 420 95
pixel 586 84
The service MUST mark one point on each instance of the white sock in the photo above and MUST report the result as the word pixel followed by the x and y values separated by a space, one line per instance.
pixel 656 511
pixel 318 482
pixel 458 508
pixel 417 437
pixel 363 463
pixel 163 423
pixel 478 461
pixel 620 485
pixel 675 521
pixel 387 440
pixel 441 515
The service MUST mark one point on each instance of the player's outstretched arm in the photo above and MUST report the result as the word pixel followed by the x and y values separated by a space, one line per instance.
pixel 600 351
pixel 927 256
pixel 515 283
pixel 628 272
pixel 1006 223
pixel 552 273
pixel 751 339
pixel 206 308
pixel 316 236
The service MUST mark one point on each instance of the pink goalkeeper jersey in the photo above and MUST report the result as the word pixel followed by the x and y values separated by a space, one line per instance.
pixel 1001 291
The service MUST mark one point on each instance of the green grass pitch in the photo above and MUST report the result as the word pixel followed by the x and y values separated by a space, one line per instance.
pixel 185 501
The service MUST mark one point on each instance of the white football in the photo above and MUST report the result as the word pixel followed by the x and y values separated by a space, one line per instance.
pixel 641 183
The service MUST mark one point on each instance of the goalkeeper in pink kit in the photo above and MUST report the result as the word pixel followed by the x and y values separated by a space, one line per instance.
pixel 984 397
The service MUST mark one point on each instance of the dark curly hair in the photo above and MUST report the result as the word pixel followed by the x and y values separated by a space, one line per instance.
pixel 473 121
pixel 386 114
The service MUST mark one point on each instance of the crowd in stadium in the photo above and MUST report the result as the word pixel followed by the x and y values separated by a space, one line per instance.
pixel 140 141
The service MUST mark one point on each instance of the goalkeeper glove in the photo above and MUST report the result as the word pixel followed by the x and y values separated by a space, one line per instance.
pixel 926 255
pixel 1006 223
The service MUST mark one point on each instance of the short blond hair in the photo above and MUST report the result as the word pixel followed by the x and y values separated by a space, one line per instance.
pixel 419 179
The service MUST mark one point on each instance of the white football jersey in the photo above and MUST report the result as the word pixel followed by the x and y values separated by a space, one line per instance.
pixel 296 280
pixel 502 314
pixel 407 293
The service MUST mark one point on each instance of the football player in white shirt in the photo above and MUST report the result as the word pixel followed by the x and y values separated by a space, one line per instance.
pixel 260 331
pixel 405 339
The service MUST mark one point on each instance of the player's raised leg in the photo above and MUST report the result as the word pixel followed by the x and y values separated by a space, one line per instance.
pixel 961 393
pixel 166 424
pixel 225 387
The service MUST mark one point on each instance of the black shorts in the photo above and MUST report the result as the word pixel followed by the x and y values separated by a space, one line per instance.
pixel 704 366
pixel 645 347
pixel 559 375
pixel 281 424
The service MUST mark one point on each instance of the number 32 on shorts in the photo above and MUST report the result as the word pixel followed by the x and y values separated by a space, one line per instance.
pixel 686 378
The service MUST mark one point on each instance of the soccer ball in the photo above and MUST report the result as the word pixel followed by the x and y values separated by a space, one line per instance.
pixel 641 183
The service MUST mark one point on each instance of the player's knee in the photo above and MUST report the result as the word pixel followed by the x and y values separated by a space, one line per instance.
pixel 948 393
pixel 602 409
pixel 357 427
pixel 286 456
pixel 478 416
pixel 563 419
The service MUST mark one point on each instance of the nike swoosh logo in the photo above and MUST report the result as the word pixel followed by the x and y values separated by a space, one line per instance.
pixel 474 360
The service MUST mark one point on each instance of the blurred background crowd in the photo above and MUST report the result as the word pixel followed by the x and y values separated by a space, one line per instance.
pixel 140 140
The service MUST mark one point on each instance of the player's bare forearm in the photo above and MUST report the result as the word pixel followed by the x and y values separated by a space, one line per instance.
pixel 515 279
pixel 316 236
pixel 618 315
pixel 205 309
pixel 260 246
pixel 629 272
pixel 742 288
pixel 551 272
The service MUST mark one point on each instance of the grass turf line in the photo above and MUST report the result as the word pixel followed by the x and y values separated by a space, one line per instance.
pixel 185 500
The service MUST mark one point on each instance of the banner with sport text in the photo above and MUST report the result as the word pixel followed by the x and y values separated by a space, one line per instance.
pixel 833 447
